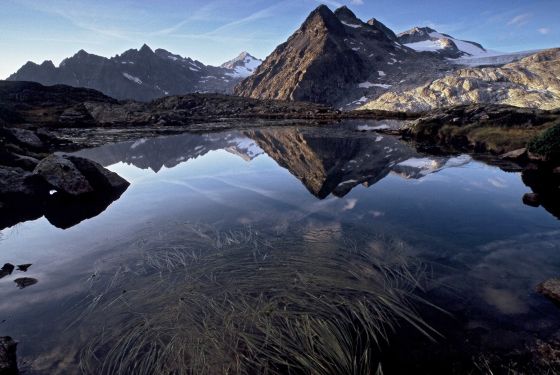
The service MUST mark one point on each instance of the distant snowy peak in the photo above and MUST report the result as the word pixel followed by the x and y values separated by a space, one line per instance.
pixel 425 39
pixel 243 65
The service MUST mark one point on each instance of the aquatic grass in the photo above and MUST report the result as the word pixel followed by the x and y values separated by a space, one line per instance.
pixel 231 302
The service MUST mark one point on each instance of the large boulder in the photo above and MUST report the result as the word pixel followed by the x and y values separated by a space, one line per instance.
pixel 75 176
pixel 63 175
pixel 8 356
pixel 99 178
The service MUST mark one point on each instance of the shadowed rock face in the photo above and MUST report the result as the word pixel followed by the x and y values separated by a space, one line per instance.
pixel 328 57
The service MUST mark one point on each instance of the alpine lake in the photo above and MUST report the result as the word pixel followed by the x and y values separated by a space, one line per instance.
pixel 287 250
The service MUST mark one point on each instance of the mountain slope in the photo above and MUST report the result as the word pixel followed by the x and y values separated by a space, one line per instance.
pixel 135 74
pixel 533 82
pixel 336 58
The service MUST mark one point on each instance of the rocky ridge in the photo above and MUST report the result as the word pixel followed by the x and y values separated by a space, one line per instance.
pixel 140 74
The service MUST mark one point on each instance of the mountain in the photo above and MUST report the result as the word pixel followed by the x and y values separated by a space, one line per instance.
pixel 532 82
pixel 243 65
pixel 425 39
pixel 141 74
pixel 336 58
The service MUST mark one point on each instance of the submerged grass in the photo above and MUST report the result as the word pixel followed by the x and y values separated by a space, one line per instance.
pixel 231 302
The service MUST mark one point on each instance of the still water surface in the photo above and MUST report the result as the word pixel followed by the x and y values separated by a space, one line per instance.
pixel 283 193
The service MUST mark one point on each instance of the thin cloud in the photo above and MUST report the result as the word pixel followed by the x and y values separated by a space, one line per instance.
pixel 255 16
pixel 203 13
pixel 357 2
pixel 520 19
pixel 544 30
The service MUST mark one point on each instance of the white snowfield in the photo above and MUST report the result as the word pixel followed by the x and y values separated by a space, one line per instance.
pixel 474 55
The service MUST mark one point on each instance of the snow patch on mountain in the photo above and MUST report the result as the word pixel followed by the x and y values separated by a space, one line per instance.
pixel 242 66
pixel 132 78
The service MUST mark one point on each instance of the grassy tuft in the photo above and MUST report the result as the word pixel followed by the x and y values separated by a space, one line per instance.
pixel 234 303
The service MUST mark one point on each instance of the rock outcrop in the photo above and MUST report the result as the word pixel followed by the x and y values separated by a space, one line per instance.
pixel 532 82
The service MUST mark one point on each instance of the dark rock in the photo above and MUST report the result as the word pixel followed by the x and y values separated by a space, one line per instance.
pixel 17 184
pixel 531 199
pixel 6 270
pixel 24 137
pixel 24 282
pixel 550 288
pixel 8 356
pixel 23 267
pixel 63 175
pixel 99 178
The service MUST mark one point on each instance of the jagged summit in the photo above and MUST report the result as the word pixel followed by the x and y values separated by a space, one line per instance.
pixel 145 48
pixel 322 17
pixel 344 13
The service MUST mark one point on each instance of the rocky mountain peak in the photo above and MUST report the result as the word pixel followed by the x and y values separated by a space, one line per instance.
pixel 324 18
pixel 346 15
pixel 47 64
pixel 384 29
pixel 243 65
pixel 145 49
pixel 415 35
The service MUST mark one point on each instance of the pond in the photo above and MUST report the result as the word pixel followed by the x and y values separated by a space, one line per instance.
pixel 284 250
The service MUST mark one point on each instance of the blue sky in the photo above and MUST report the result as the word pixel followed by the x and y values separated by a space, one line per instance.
pixel 214 31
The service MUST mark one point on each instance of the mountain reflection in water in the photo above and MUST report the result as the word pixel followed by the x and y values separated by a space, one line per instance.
pixel 326 161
